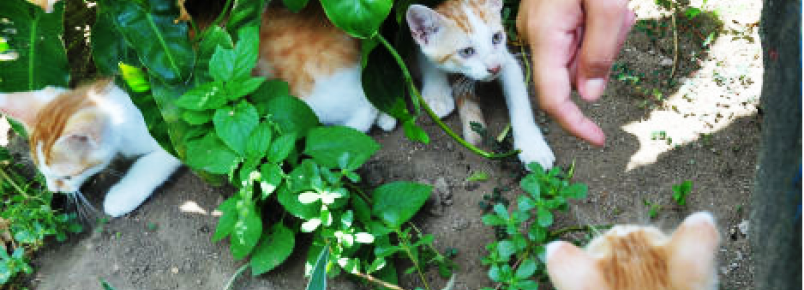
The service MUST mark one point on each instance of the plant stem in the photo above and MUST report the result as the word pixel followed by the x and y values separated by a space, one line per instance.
pixel 404 244
pixel 562 231
pixel 429 245
pixel 374 280
pixel 358 191
pixel 419 99
pixel 236 274
pixel 223 13
pixel 11 181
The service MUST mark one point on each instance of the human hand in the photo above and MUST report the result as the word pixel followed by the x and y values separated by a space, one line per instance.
pixel 574 43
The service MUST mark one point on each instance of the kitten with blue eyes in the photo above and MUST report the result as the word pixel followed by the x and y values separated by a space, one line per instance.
pixel 467 38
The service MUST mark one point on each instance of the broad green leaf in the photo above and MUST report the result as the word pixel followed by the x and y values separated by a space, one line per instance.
pixel 384 84
pixel 292 115
pixel 494 273
pixel 528 285
pixel 211 155
pixel 330 145
pixel 577 190
pixel 290 202
pixel 234 125
pixel 108 46
pixel 228 219
pixel 169 127
pixel 414 132
pixel 246 52
pixel 318 278
pixel 492 220
pixel 258 143
pixel 238 89
pixel 281 147
pixel 268 90
pixel 161 44
pixel 274 249
pixel 36 56
pixel 395 203
pixel 545 217
pixel 526 269
pixel 246 233
pixel 271 178
pixel 531 185
pixel 361 208
pixel 359 18
pixel 213 37
pixel 222 64
pixel 295 5
pixel 197 117
pixel 505 249
pixel 134 77
pixel 245 13
pixel 203 97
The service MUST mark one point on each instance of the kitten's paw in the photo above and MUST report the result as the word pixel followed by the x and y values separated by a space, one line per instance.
pixel 439 99
pixel 123 199
pixel 385 122
pixel 535 149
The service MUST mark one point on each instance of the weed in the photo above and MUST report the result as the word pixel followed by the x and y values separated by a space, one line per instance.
pixel 681 191
pixel 653 208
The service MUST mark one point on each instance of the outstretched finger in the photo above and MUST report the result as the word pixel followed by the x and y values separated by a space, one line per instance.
pixel 604 31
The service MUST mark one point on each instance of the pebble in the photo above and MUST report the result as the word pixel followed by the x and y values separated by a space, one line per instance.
pixel 666 61
pixel 743 227
pixel 174 270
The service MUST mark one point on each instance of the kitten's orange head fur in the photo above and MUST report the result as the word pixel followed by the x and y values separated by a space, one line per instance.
pixel 640 258
pixel 461 36
pixel 66 130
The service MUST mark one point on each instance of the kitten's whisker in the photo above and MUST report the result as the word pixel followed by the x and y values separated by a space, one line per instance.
pixel 85 210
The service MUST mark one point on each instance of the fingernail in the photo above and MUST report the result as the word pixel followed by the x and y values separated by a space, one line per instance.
pixel 595 88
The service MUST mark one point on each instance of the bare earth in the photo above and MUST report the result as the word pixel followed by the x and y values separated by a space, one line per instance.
pixel 165 244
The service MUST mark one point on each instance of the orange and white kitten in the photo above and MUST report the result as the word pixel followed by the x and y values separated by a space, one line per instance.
pixel 321 64
pixel 74 134
pixel 629 257
pixel 466 37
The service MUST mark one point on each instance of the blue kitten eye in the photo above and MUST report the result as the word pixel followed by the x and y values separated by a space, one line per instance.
pixel 497 38
pixel 466 52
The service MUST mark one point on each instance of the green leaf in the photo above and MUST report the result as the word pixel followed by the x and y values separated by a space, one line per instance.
pixel 135 78
pixel 271 178
pixel 545 217
pixel 526 269
pixel 384 84
pixel 318 279
pixel 525 203
pixel 245 13
pixel 290 202
pixel 234 125
pixel 228 219
pixel 291 115
pixel 211 155
pixel 105 285
pixel 330 145
pixel 361 208
pixel 197 117
pixel 213 37
pixel 359 18
pixel 108 46
pixel 161 44
pixel 505 249
pixel 396 202
pixel 238 89
pixel 528 285
pixel 494 273
pixel 414 132
pixel 281 147
pixel 203 97
pixel 246 233
pixel 258 143
pixel 478 176
pixel 274 249
pixel 36 57
pixel 222 64
pixel 531 185
pixel 493 220
pixel 295 5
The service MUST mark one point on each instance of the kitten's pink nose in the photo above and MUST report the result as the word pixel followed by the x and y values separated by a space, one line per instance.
pixel 494 69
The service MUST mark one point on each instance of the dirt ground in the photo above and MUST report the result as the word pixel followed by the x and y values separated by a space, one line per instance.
pixel 710 114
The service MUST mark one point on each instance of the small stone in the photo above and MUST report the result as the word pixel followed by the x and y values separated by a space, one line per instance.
pixel 442 188
pixel 743 227
pixel 666 61
pixel 174 270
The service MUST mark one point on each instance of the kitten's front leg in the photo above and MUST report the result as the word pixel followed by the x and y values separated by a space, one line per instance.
pixel 527 136
pixel 147 173
pixel 435 88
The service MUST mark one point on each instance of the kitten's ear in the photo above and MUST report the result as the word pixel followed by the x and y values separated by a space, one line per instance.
pixel 76 143
pixel 571 268
pixel 23 106
pixel 424 23
pixel 693 250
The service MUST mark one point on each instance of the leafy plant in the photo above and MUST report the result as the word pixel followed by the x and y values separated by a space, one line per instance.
pixel 516 258
pixel 681 191
pixel 653 208
pixel 26 219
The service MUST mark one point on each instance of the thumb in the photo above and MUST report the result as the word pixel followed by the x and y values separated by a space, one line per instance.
pixel 607 23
